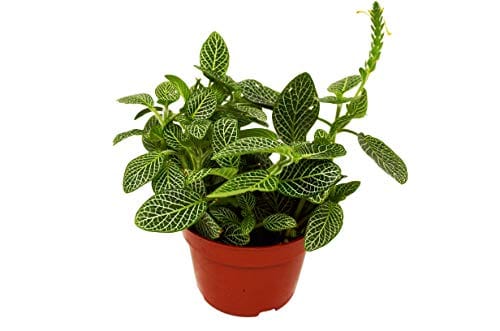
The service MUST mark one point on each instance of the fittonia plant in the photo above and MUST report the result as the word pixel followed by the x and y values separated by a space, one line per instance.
pixel 211 174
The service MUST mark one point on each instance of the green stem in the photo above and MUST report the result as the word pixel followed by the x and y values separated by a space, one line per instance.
pixel 339 109
pixel 158 116
pixel 299 208
pixel 325 121
pixel 350 131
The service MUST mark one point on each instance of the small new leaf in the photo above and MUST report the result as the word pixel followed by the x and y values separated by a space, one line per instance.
pixel 233 234
pixel 344 85
pixel 172 211
pixel 384 156
pixel 279 222
pixel 214 55
pixel 225 215
pixel 323 225
pixel 172 133
pixel 123 135
pixel 141 170
pixel 207 227
pixel 358 106
pixel 198 128
pixel 138 99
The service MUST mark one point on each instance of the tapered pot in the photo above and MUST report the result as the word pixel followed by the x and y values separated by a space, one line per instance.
pixel 245 281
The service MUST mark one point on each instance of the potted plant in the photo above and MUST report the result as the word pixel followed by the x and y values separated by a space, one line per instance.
pixel 247 215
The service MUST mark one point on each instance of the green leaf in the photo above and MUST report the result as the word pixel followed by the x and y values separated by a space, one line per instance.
pixel 341 191
pixel 259 94
pixel 138 99
pixel 279 222
pixel 233 234
pixel 123 135
pixel 214 55
pixel 152 137
pixel 334 100
pixel 315 151
pixel 384 156
pixel 224 133
pixel 248 224
pixel 246 201
pixel 207 227
pixel 323 225
pixel 296 110
pixel 308 177
pixel 252 145
pixel 141 170
pixel 225 215
pixel 224 82
pixel 201 104
pixel 341 122
pixel 321 137
pixel 172 133
pixel 258 132
pixel 344 85
pixel 198 187
pixel 198 128
pixel 358 106
pixel 145 111
pixel 226 173
pixel 170 177
pixel 181 86
pixel 172 211
pixel 251 111
pixel 167 93
pixel 256 180
pixel 320 197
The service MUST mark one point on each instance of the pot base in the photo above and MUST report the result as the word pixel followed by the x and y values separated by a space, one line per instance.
pixel 245 281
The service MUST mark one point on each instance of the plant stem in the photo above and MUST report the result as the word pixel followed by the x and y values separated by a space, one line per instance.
pixel 299 208
pixel 350 131
pixel 325 121
pixel 339 109
pixel 158 116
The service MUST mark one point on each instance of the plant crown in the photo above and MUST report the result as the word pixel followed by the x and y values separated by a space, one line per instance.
pixel 212 174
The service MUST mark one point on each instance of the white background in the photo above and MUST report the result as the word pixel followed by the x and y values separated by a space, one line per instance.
pixel 423 256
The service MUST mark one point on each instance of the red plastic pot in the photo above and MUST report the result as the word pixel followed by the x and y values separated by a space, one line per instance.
pixel 245 281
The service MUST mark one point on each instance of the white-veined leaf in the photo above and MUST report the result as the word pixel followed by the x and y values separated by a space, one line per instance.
pixel 306 150
pixel 252 145
pixel 256 180
pixel 258 132
pixel 323 225
pixel 358 106
pixel 321 137
pixel 123 135
pixel 279 222
pixel 141 170
pixel 248 223
pixel 296 110
pixel 198 128
pixel 207 227
pixel 233 234
pixel 224 215
pixel 224 133
pixel 308 177
pixel 201 104
pixel 341 191
pixel 181 86
pixel 172 133
pixel 172 211
pixel 145 111
pixel 384 156
pixel 226 173
pixel 251 111
pixel 341 122
pixel 344 85
pixel 214 55
pixel 257 93
pixel 197 186
pixel 167 93
pixel 138 99
pixel 169 177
